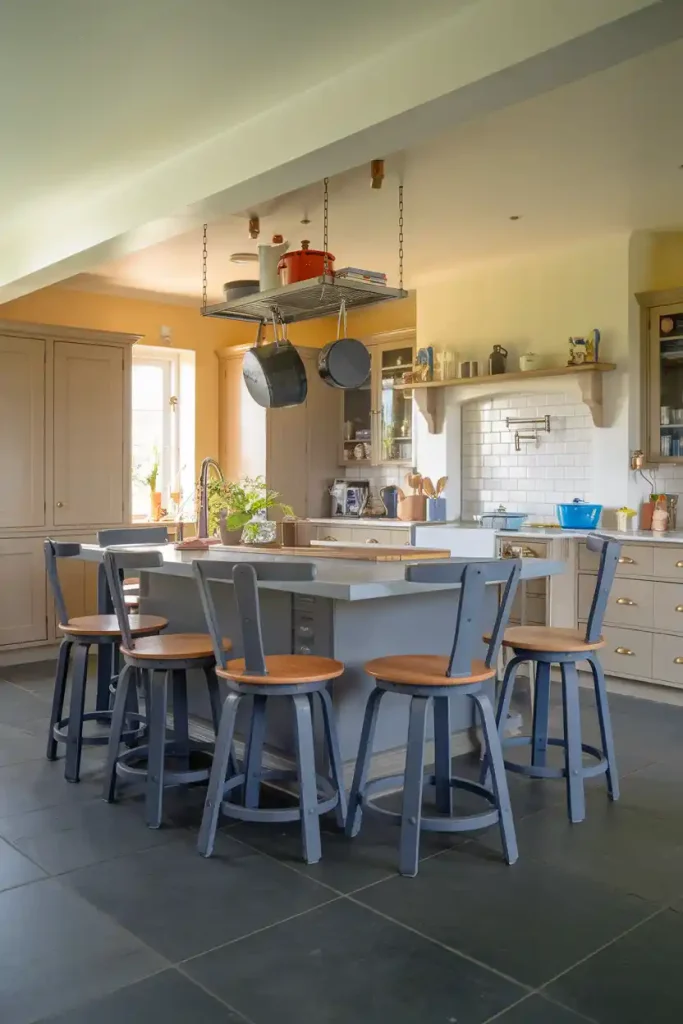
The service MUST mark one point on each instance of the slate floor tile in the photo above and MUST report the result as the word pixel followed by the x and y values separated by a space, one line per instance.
pixel 529 921
pixel 166 998
pixel 57 951
pixel 16 869
pixel 182 904
pixel 342 963
pixel 632 981
pixel 38 784
pixel 537 1010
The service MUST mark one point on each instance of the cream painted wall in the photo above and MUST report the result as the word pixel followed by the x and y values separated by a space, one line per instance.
pixel 534 303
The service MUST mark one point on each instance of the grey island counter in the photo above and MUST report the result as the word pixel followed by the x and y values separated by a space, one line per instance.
pixel 352 611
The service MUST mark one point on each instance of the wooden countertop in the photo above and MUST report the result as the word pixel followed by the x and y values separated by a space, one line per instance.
pixel 369 553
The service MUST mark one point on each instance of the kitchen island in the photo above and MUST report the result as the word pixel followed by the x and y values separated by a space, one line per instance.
pixel 353 610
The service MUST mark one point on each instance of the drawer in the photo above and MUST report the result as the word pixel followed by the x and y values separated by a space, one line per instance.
pixel 363 535
pixel 668 606
pixel 668 559
pixel 400 537
pixel 634 560
pixel 627 652
pixel 630 603
pixel 667 660
pixel 508 548
pixel 334 532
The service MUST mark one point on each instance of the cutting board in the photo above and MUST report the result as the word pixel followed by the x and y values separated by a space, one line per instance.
pixel 373 553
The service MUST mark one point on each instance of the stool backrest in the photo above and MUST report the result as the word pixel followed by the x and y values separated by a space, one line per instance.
pixel 470 624
pixel 53 550
pixel 609 550
pixel 115 562
pixel 133 535
pixel 244 576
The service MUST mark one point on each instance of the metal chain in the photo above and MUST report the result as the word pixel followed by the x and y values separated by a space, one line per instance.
pixel 326 203
pixel 204 257
pixel 400 237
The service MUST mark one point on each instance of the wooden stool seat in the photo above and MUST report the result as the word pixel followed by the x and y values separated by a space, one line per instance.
pixel 549 638
pixel 173 647
pixel 107 625
pixel 132 583
pixel 425 670
pixel 285 669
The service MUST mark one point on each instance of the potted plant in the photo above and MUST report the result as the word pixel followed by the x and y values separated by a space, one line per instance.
pixel 241 507
pixel 150 480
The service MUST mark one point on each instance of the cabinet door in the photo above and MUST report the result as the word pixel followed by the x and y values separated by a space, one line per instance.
pixel 89 426
pixel 23 616
pixel 665 385
pixel 393 409
pixel 22 431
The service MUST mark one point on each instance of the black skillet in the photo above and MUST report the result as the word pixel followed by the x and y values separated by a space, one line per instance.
pixel 274 374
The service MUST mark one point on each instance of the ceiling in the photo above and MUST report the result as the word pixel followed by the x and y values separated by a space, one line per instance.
pixel 601 155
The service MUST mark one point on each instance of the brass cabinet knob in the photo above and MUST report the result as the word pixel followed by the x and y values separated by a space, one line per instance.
pixel 678 661
pixel 625 560
pixel 628 601
pixel 60 504
pixel 679 607
pixel 623 650
pixel 679 565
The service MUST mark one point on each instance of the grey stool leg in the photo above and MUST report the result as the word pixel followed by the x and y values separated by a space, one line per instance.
pixel 442 754
pixel 605 721
pixel 573 756
pixel 498 778
pixel 219 768
pixel 214 697
pixel 308 787
pixel 115 731
pixel 157 742
pixel 411 814
pixel 58 696
pixel 539 732
pixel 181 724
pixel 334 753
pixel 254 753
pixel 74 736
pixel 360 774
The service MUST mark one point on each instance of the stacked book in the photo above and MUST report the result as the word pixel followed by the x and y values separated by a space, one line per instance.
pixel 356 274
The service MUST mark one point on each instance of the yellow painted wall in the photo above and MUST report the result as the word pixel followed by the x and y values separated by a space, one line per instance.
pixel 111 313
pixel 665 264
pixel 533 303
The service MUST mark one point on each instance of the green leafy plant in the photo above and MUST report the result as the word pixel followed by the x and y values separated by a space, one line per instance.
pixel 243 501
pixel 150 477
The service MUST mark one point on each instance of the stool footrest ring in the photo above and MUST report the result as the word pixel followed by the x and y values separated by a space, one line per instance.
pixel 429 823
pixel 330 798
pixel 538 772
pixel 131 732
pixel 126 766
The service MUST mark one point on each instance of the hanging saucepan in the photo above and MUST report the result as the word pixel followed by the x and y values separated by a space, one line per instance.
pixel 275 375
pixel 344 363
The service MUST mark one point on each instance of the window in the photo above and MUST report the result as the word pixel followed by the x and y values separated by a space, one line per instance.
pixel 163 397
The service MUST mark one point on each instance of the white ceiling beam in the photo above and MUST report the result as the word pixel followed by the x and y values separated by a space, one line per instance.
pixel 488 55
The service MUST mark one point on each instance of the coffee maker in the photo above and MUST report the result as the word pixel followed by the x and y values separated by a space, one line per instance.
pixel 349 497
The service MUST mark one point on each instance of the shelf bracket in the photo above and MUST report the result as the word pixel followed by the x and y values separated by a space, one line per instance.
pixel 430 402
pixel 590 385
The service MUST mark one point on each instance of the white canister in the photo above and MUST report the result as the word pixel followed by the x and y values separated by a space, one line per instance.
pixel 529 361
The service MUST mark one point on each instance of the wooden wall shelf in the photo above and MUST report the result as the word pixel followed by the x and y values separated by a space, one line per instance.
pixel 429 395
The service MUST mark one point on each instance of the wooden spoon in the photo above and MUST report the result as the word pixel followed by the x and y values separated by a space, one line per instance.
pixel 441 485
pixel 428 487
pixel 414 480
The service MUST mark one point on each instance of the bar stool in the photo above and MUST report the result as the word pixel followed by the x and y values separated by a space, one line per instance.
pixel 545 646
pixel 164 660
pixel 129 535
pixel 299 677
pixel 440 679
pixel 82 633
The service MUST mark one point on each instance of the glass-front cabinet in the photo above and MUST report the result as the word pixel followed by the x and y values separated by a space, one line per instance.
pixel 377 423
pixel 665 385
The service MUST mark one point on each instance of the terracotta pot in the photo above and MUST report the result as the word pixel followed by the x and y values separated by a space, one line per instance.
pixel 304 263
pixel 155 507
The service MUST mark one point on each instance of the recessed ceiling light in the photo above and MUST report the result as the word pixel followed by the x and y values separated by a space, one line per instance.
pixel 516 216
pixel 244 257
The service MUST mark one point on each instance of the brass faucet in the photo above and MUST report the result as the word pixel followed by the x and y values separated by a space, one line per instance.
pixel 203 524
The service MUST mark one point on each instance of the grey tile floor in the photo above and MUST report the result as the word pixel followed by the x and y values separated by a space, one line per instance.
pixel 102 920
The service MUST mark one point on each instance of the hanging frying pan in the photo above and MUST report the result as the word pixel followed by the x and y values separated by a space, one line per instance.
pixel 275 375
pixel 344 363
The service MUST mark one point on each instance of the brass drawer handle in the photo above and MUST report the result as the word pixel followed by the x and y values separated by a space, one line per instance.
pixel 679 565
pixel 678 661
pixel 329 537
pixel 624 650
pixel 372 540
pixel 628 601
pixel 625 560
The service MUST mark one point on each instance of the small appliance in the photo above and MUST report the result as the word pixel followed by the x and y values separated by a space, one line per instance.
pixel 349 497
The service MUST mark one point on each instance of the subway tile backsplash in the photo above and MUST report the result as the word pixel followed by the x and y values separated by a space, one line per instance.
pixel 555 469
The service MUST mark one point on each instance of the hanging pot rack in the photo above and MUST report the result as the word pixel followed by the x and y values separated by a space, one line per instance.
pixel 306 300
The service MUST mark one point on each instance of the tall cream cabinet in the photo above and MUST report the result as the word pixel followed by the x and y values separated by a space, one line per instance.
pixel 64 462
pixel 297 449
